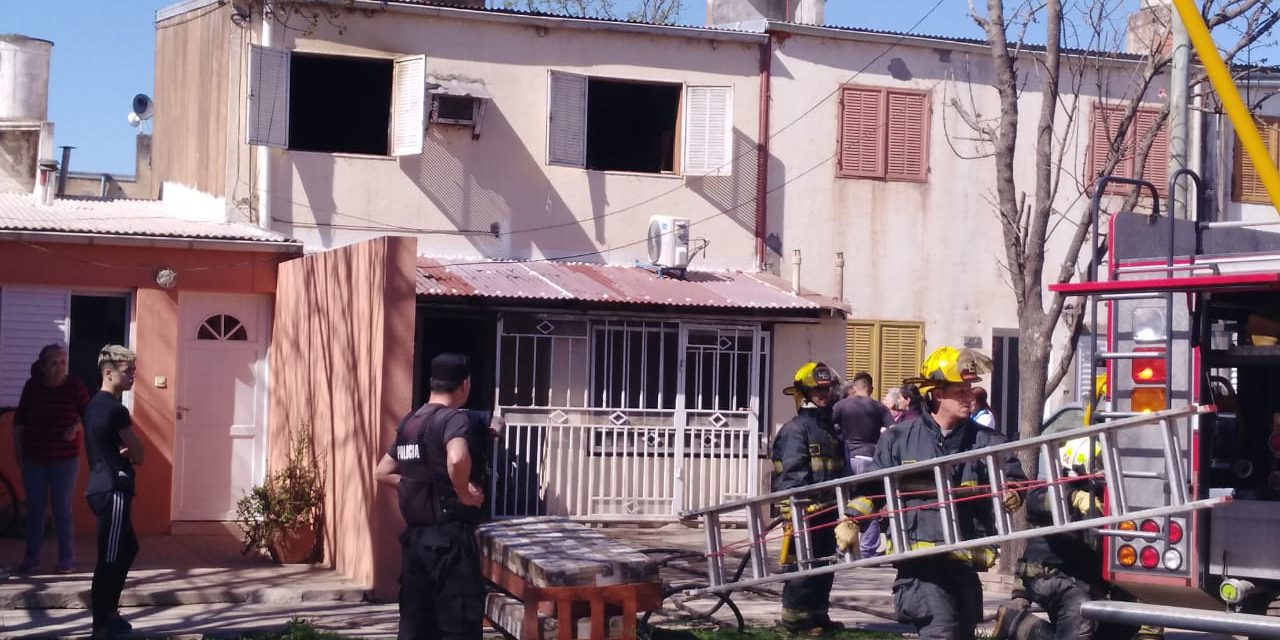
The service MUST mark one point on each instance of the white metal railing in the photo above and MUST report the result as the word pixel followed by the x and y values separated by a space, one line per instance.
pixel 622 464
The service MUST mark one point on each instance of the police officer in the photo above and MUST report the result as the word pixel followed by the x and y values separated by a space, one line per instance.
pixel 436 466
pixel 807 450
pixel 941 595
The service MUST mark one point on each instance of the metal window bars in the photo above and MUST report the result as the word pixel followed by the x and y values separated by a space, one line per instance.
pixel 945 496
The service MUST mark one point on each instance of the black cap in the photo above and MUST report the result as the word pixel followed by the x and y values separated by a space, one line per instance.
pixel 450 367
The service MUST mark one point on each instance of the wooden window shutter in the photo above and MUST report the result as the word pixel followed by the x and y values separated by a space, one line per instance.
pixel 409 106
pixel 1106 123
pixel 707 139
pixel 30 318
pixel 861 134
pixel 907 146
pixel 567 120
pixel 268 103
pixel 1155 169
pixel 1246 185
pixel 900 352
pixel 859 348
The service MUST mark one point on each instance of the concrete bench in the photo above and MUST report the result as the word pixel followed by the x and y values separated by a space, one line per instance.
pixel 564 581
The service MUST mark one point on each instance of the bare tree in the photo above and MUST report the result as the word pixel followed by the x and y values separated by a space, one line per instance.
pixel 1029 214
pixel 652 11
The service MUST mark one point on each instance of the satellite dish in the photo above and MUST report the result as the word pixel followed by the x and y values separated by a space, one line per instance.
pixel 143 106
pixel 134 120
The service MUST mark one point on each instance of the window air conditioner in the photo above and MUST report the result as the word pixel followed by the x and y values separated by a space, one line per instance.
pixel 669 242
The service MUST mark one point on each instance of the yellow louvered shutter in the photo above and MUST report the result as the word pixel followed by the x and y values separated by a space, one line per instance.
pixel 859 348
pixel 900 346
pixel 1248 186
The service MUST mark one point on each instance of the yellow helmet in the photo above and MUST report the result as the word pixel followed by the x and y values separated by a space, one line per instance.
pixel 811 375
pixel 949 364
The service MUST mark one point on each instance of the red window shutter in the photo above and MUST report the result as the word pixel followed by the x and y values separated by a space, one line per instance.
pixel 907 145
pixel 861 133
pixel 1156 167
pixel 1106 123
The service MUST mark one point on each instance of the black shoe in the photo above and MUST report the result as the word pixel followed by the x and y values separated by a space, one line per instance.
pixel 119 626
pixel 1007 618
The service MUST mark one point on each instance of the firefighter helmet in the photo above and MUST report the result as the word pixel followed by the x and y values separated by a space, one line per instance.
pixel 811 375
pixel 1074 454
pixel 951 365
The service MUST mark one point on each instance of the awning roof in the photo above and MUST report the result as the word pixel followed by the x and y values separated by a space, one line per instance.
pixel 614 285
pixel 461 87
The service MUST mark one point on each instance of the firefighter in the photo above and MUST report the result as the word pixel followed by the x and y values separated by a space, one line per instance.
pixel 941 596
pixel 807 450
pixel 1061 572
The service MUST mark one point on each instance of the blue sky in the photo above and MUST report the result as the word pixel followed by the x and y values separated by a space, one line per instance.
pixel 104 53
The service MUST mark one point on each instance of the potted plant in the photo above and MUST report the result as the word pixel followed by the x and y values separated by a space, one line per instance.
pixel 280 515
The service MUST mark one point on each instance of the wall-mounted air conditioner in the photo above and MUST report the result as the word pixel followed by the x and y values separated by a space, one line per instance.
pixel 669 242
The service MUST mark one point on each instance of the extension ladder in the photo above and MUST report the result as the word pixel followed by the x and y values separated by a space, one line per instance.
pixel 945 498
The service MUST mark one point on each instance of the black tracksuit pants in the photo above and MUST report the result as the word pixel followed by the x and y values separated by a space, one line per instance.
pixel 441 589
pixel 117 547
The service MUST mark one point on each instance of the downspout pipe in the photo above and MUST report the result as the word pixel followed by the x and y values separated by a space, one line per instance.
pixel 762 153
pixel 263 151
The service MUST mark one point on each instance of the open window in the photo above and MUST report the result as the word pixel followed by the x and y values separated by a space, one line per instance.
pixel 336 104
pixel 625 125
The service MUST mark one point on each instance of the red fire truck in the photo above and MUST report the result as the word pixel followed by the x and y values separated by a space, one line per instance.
pixel 1188 312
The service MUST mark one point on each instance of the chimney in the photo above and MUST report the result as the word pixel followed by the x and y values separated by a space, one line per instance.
pixel 737 13
pixel 1150 30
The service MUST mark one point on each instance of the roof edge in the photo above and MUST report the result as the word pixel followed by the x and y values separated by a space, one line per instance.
pixel 166 242
pixel 570 22
pixel 185 6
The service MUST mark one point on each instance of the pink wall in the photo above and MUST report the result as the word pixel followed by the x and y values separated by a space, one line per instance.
pixel 342 362
pixel 113 268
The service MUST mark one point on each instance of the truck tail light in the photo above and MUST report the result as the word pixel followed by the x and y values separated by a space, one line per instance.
pixel 1147 399
pixel 1149 557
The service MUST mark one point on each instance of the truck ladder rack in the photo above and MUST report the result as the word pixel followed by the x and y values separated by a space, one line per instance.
pixel 945 500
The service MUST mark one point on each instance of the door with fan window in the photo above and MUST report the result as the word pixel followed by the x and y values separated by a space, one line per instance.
pixel 220 442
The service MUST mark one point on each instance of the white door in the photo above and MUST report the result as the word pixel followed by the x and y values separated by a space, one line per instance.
pixel 220 443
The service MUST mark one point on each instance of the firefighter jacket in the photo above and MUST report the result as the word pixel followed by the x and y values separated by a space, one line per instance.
pixel 807 451
pixel 1074 553
pixel 920 438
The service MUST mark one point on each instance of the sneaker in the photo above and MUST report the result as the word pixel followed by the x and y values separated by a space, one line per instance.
pixel 64 569
pixel 25 568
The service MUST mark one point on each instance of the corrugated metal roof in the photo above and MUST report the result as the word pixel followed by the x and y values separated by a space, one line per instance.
pixel 153 218
pixel 608 284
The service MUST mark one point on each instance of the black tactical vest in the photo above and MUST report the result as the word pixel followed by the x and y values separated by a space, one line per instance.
pixel 425 491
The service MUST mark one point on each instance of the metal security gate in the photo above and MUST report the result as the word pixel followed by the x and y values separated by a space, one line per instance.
pixel 630 420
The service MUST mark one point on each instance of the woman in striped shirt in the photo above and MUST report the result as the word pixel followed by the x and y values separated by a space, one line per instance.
pixel 46 440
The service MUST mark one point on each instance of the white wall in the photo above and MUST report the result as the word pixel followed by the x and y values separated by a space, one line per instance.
pixel 503 177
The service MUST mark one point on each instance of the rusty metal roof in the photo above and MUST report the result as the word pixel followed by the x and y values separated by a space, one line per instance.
pixel 152 218
pixel 610 284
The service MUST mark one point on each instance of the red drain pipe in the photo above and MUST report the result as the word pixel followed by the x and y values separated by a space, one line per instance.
pixel 762 153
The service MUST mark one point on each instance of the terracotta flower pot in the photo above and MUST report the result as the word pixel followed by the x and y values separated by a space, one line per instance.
pixel 294 546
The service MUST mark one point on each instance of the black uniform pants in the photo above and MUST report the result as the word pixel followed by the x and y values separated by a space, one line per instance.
pixel 441 589
pixel 940 597
pixel 1061 596
pixel 117 547
pixel 805 601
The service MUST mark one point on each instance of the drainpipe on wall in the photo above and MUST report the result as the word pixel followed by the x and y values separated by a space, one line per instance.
pixel 263 151
pixel 762 154
pixel 795 271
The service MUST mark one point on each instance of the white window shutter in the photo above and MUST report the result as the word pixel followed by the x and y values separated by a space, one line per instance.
pixel 708 147
pixel 567 113
pixel 30 318
pixel 409 106
pixel 268 97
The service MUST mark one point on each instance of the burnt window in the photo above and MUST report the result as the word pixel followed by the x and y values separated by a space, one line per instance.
pixel 631 126
pixel 339 104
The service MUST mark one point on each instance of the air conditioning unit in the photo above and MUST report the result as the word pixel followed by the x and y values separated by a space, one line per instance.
pixel 669 242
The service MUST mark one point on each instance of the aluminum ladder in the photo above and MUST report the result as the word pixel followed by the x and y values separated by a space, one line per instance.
pixel 755 510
